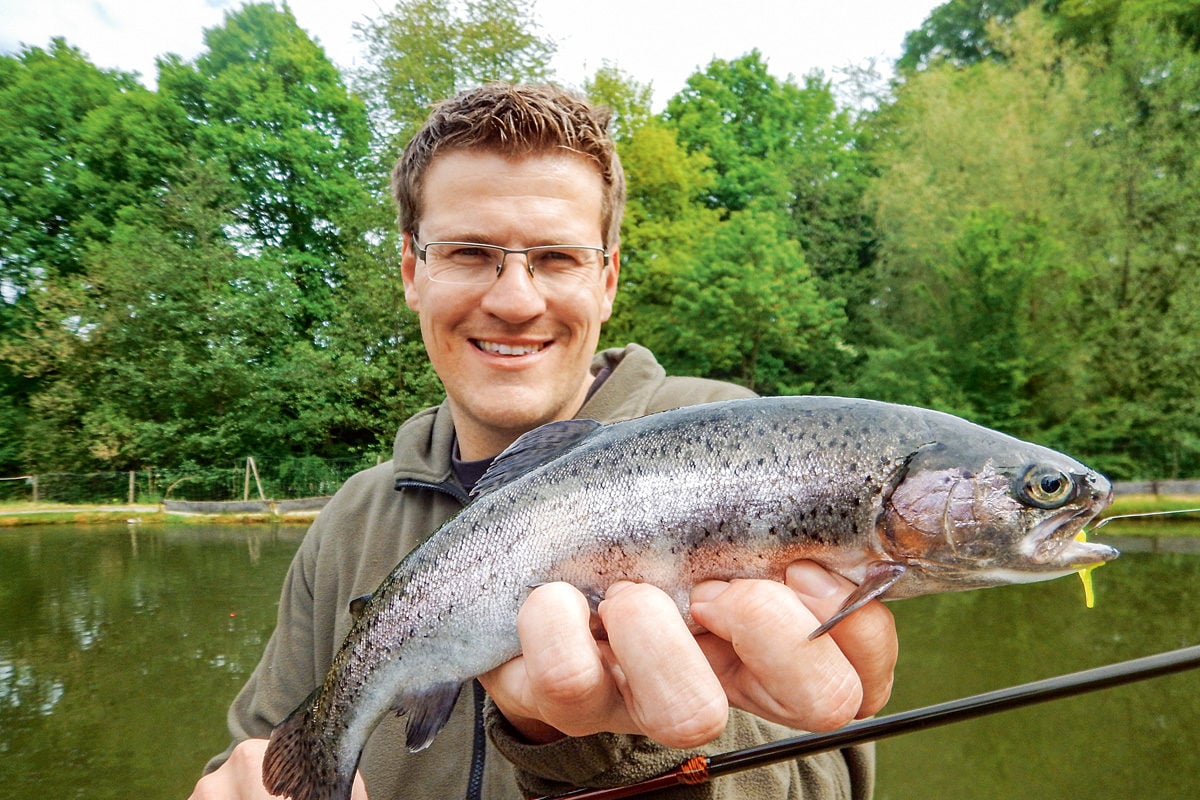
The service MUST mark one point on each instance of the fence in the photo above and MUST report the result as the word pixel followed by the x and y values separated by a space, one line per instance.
pixel 276 479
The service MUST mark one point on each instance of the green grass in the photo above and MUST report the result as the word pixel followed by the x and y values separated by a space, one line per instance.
pixel 15 514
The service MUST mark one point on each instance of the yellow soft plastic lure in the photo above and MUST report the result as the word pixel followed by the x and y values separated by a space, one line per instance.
pixel 1085 575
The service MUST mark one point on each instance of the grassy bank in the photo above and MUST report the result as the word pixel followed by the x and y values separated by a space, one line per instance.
pixel 19 514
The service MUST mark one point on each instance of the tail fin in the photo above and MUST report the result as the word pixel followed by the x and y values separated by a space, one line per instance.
pixel 302 765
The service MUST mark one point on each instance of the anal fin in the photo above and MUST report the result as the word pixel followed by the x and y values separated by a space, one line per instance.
pixel 427 713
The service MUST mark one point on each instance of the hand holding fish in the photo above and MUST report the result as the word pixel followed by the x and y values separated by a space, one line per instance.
pixel 759 645
pixel 655 677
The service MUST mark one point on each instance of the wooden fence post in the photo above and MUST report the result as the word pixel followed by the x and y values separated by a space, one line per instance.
pixel 251 465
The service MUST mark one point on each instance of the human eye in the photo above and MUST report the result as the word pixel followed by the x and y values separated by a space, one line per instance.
pixel 469 255
pixel 561 258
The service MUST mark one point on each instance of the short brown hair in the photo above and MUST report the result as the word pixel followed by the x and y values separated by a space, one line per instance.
pixel 512 120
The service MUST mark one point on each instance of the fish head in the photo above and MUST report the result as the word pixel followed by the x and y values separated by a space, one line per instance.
pixel 972 517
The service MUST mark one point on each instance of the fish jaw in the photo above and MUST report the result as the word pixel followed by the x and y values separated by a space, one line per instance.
pixel 1056 546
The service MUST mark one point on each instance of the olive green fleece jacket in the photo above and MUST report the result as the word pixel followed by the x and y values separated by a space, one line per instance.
pixel 381 514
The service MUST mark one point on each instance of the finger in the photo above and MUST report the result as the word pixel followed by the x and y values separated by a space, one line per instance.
pixel 666 682
pixel 561 683
pixel 770 667
pixel 867 637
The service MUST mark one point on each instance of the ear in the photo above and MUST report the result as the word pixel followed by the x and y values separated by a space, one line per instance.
pixel 408 272
pixel 611 279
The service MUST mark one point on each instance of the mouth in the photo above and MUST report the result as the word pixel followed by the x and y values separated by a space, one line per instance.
pixel 1058 545
pixel 509 350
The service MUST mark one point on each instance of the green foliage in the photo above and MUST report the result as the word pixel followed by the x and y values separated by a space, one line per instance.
pixel 210 270
pixel 1079 167
pixel 424 51
pixel 1098 21
pixel 958 32
pixel 779 149
pixel 746 309
pixel 985 334
pixel 268 104
pixel 61 176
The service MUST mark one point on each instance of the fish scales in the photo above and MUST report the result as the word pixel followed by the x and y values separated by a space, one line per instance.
pixel 900 500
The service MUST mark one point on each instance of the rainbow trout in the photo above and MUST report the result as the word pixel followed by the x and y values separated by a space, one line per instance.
pixel 902 501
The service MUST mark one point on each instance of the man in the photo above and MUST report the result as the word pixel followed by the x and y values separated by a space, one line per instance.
pixel 510 204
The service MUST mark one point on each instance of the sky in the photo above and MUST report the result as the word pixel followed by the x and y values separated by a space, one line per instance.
pixel 652 41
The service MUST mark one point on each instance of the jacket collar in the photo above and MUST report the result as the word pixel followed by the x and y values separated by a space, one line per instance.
pixel 421 451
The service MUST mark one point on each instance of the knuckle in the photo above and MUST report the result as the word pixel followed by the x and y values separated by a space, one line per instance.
pixel 568 684
pixel 701 725
pixel 836 706
pixel 247 756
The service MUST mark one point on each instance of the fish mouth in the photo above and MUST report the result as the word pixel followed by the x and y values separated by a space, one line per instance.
pixel 1057 543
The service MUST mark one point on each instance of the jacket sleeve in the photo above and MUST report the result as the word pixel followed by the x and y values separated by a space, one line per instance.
pixel 606 759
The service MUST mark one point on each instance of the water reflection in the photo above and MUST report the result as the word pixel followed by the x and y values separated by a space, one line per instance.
pixel 121 647
pixel 1136 741
pixel 23 693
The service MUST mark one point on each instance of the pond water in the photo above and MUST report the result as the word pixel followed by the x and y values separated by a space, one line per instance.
pixel 121 646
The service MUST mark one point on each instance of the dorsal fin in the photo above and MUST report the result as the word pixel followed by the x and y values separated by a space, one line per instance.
pixel 533 449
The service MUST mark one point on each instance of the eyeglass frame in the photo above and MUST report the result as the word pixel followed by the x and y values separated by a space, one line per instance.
pixel 505 252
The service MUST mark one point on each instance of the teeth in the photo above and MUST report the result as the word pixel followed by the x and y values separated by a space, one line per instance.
pixel 507 349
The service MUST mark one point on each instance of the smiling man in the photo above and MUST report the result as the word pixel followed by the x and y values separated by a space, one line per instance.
pixel 528 333
pixel 510 201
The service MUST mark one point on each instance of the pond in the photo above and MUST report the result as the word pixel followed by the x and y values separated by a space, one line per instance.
pixel 121 646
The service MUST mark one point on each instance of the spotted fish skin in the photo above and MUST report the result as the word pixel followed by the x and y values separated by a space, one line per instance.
pixel 900 500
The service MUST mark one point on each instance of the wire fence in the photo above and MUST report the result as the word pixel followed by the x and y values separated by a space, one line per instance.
pixel 274 480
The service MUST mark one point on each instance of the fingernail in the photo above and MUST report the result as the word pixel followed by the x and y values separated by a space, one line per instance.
pixel 812 579
pixel 708 591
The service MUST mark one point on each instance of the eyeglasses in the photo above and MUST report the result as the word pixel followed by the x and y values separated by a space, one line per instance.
pixel 473 264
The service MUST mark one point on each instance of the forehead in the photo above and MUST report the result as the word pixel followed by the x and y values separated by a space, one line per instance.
pixel 468 191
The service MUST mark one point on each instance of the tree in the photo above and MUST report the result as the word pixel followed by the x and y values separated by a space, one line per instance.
pixel 786 150
pixel 959 32
pixel 77 144
pixel 1142 301
pixel 269 106
pixel 427 50
pixel 1064 178
pixel 747 309
pixel 55 192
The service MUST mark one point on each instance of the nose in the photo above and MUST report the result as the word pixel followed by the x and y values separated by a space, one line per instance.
pixel 513 296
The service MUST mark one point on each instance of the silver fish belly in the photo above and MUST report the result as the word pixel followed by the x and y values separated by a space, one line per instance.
pixel 900 500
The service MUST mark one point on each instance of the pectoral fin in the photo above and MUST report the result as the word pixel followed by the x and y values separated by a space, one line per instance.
pixel 881 576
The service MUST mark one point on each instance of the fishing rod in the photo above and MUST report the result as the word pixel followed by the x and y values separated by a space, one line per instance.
pixel 702 769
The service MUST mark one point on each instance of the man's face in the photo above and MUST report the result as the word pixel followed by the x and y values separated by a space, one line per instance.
pixel 511 355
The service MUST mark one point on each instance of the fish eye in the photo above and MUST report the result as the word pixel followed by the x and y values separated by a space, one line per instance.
pixel 1046 487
